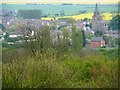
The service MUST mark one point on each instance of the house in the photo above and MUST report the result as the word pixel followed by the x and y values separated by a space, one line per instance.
pixel 106 33
pixel 88 43
pixel 111 33
pixel 15 34
pixel 97 42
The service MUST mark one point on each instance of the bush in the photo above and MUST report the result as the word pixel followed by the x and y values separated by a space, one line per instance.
pixel 46 71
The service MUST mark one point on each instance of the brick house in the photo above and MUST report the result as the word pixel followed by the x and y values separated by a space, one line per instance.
pixel 97 42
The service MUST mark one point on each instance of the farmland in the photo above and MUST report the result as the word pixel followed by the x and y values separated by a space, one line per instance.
pixel 106 16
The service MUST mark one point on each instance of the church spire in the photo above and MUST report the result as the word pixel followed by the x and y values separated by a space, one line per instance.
pixel 96 9
pixel 96 19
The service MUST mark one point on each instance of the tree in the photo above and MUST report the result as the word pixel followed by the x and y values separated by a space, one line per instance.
pixel 98 33
pixel 65 40
pixel 90 36
pixel 2 27
pixel 30 14
pixel 107 39
pixel 79 41
pixel 9 39
pixel 59 45
pixel 7 35
pixel 114 23
pixel 38 42
pixel 76 39
pixel 68 20
pixel 114 42
pixel 54 26
pixel 73 37
pixel 83 38
pixel 25 29
pixel 85 19
pixel 114 13
pixel 47 41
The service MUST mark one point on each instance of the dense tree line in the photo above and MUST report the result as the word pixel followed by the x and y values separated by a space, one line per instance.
pixel 44 40
pixel 68 20
pixel 115 23
pixel 30 14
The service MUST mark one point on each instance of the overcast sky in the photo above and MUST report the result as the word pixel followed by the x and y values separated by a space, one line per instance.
pixel 63 1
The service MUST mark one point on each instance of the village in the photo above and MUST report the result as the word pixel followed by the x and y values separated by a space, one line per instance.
pixel 97 32
pixel 59 50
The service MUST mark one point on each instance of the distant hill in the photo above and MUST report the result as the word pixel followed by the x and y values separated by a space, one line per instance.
pixel 67 4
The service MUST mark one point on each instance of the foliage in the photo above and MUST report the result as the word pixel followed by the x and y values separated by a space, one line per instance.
pixel 76 39
pixel 68 20
pixel 73 37
pixel 79 40
pixel 9 39
pixel 36 64
pixel 65 40
pixel 2 27
pixel 13 28
pixel 7 35
pixel 53 27
pixel 30 14
pixel 58 41
pixel 46 38
pixel 83 38
pixel 114 23
pixel 98 33
pixel 112 42
pixel 85 19
pixel 45 71
pixel 90 36
pixel 107 39
pixel 111 53
pixel 4 44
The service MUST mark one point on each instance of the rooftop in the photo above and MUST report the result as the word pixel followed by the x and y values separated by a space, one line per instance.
pixel 98 39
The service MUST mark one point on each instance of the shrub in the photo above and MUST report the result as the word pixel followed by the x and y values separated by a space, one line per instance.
pixel 46 71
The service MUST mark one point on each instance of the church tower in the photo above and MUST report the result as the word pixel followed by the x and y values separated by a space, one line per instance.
pixel 96 20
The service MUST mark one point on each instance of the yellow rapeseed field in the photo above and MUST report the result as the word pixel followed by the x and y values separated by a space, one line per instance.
pixel 105 16
pixel 48 18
